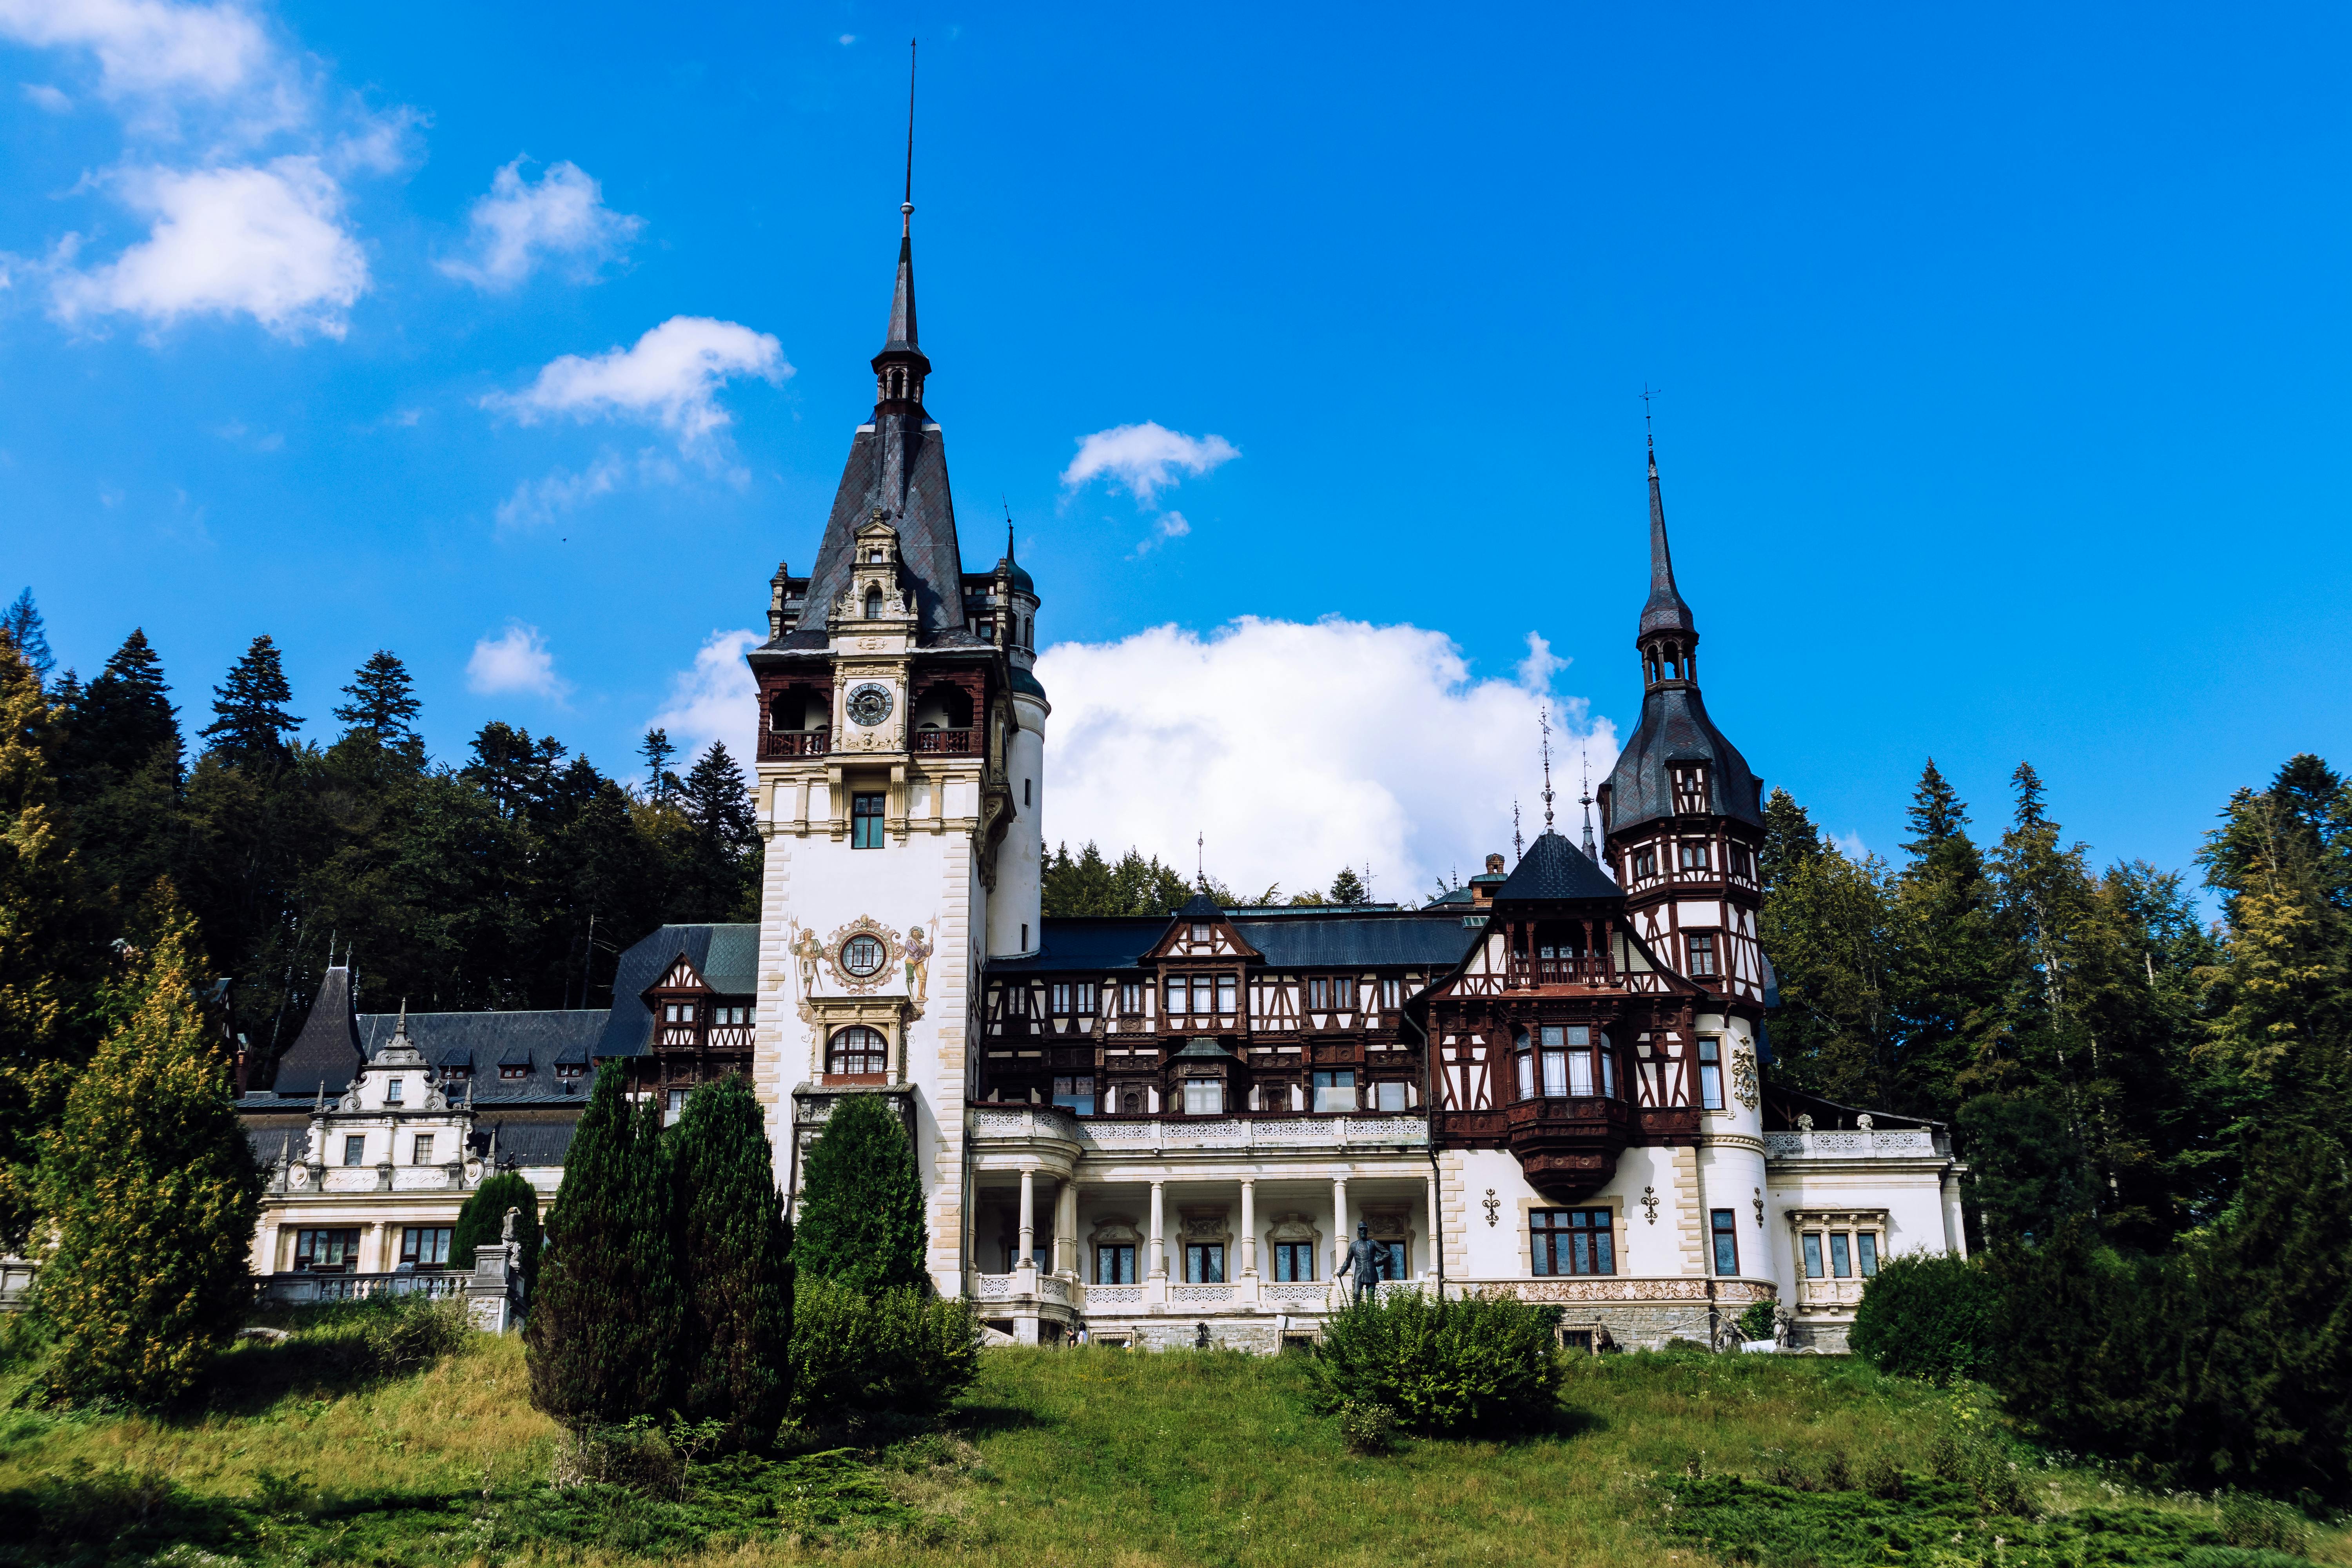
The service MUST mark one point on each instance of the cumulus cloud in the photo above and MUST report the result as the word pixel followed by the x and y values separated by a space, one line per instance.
pixel 1146 459
pixel 1300 748
pixel 149 46
pixel 40 95
pixel 670 378
pixel 520 222
pixel 716 700
pixel 549 498
pixel 516 660
pixel 1167 525
pixel 268 241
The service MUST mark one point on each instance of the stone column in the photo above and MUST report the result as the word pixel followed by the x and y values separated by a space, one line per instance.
pixel 1028 1258
pixel 1158 1253
pixel 1065 1227
pixel 1249 1228
pixel 1339 1234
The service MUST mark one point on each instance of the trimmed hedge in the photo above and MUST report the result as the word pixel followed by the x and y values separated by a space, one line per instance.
pixel 897 1350
pixel 1930 1315
pixel 1456 1364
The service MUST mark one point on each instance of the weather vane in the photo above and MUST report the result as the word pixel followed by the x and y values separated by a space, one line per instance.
pixel 1649 430
pixel 1586 799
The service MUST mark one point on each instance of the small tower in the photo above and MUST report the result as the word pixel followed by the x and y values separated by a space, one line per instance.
pixel 1016 909
pixel 1681 813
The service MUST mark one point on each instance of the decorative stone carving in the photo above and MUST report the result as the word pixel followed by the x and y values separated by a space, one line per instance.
pixel 1743 1077
pixel 893 954
pixel 1494 1208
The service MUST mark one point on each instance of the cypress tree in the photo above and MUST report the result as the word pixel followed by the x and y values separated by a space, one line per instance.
pixel 251 724
pixel 737 1248
pixel 483 1220
pixel 862 1207
pixel 601 1337
pixel 150 1189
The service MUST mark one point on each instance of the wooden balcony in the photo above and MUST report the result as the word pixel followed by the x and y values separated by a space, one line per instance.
pixel 947 743
pixel 775 743
pixel 1569 1146
pixel 1527 973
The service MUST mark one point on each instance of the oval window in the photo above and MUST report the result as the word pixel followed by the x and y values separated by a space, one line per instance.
pixel 862 956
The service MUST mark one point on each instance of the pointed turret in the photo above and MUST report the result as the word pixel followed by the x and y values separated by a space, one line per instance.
pixel 326 1054
pixel 1665 612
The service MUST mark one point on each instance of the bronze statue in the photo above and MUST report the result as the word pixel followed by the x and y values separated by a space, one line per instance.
pixel 1366 1259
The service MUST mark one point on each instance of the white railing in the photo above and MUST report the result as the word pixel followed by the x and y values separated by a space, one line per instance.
pixel 1052 1289
pixel 1301 1293
pixel 1114 1296
pixel 1199 1295
pixel 1053 1122
pixel 1911 1142
pixel 299 1290
pixel 994 1287
pixel 1829 1292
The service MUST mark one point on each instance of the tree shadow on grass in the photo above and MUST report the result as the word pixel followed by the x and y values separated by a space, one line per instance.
pixel 977 1421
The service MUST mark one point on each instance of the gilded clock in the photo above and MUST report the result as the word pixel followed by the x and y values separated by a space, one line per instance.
pixel 869 704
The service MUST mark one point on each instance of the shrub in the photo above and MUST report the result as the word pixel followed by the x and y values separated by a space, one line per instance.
pixel 862 1204
pixel 1445 1365
pixel 407 1334
pixel 1756 1323
pixel 1366 1428
pixel 152 1192
pixel 1930 1315
pixel 897 1349
pixel 2261 1525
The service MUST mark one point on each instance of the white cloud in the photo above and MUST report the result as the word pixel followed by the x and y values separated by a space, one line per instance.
pixel 1297 749
pixel 520 223
pixel 847 39
pixel 149 46
pixel 40 95
pixel 716 699
pixel 670 378
pixel 1146 457
pixel 516 660
pixel 544 499
pixel 264 241
pixel 1167 525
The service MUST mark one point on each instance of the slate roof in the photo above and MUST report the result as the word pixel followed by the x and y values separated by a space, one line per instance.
pixel 327 1049
pixel 1665 611
pixel 482 1041
pixel 1675 728
pixel 530 1140
pixel 1078 943
pixel 726 956
pixel 1554 869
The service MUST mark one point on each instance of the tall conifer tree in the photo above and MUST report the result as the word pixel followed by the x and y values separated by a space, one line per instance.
pixel 23 626
pixel 150 1189
pixel 862 1204
pixel 603 1334
pixel 384 702
pixel 736 1245
pixel 251 725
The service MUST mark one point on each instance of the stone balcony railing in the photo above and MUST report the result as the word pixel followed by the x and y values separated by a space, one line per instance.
pixel 303 1288
pixel 1901 1143
pixel 1121 1135
pixel 1829 1292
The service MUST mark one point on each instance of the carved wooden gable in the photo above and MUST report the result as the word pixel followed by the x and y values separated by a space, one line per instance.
pixel 1201 938
pixel 681 977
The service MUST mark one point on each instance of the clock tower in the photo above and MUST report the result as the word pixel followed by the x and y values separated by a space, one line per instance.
pixel 900 783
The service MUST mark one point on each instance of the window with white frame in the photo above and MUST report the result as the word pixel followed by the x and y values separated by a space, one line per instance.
pixel 1059 1001
pixel 421 1152
pixel 1335 1089
pixel 1710 1072
pixel 1204 1097
pixel 1388 996
pixel 1131 999
pixel 1692 857
pixel 1085 999
pixel 1700 945
pixel 355 1149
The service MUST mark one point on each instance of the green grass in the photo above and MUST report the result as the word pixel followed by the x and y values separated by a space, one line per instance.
pixel 1095 1456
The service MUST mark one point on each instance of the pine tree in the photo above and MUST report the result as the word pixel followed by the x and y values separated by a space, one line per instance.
pixel 1346 888
pixel 737 1247
pixel 601 1335
pixel 483 1221
pixel 252 725
pixel 718 802
pixel 152 1192
pixel 656 751
pixel 862 1204
pixel 383 701
pixel 23 625
pixel 120 719
pixel 1789 840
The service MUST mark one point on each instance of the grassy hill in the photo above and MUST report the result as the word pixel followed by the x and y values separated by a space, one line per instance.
pixel 1093 1457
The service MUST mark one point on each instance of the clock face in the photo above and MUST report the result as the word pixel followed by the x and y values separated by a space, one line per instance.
pixel 869 704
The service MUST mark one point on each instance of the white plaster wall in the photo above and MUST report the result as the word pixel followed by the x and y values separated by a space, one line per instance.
pixel 1913 1199
pixel 1016 924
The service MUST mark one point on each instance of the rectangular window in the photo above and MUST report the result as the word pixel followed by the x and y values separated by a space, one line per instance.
pixel 1017 1001
pixel 1710 1072
pixel 1395 1261
pixel 1318 995
pixel 1555 1071
pixel 1645 863
pixel 1812 1255
pixel 392 1089
pixel 355 1150
pixel 1228 996
pixel 1205 989
pixel 1085 1008
pixel 1389 989
pixel 1077 1091
pixel 425 1246
pixel 1841 1255
pixel 513 1069
pixel 1294 1261
pixel 422 1154
pixel 1061 1001
pixel 1114 1265
pixel 1204 1263
pixel 1608 1070
pixel 1343 993
pixel 1702 955
pixel 1693 856
pixel 1392 1095
pixel 1526 1075
pixel 866 822
pixel 1335 1089
pixel 673 1107
pixel 1867 1241
pixel 1131 999
pixel 1176 996
pixel 1573 1241
pixel 1204 1097
pixel 1200 930
pixel 326 1251
pixel 1727 1241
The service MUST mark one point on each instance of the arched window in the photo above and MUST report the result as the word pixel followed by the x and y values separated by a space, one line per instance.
pixel 873 604
pixel 857 1050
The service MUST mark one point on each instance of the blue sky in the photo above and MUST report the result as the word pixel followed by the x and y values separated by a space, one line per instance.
pixel 2001 354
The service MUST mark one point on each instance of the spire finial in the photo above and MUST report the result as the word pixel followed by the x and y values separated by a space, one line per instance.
pixel 1665 611
pixel 1518 845
pixel 906 202
pixel 1586 800
pixel 1545 720
pixel 1201 859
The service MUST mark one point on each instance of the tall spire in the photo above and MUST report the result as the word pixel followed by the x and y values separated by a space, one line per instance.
pixel 1545 720
pixel 902 297
pixel 1586 800
pixel 1665 612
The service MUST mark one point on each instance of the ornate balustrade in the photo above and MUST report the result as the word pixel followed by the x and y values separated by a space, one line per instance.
pixel 775 743
pixel 947 743
pixel 1526 973
pixel 298 1290
pixel 1121 1134
pixel 1914 1142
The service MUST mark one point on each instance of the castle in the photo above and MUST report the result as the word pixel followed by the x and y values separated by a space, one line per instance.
pixel 1552 1082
